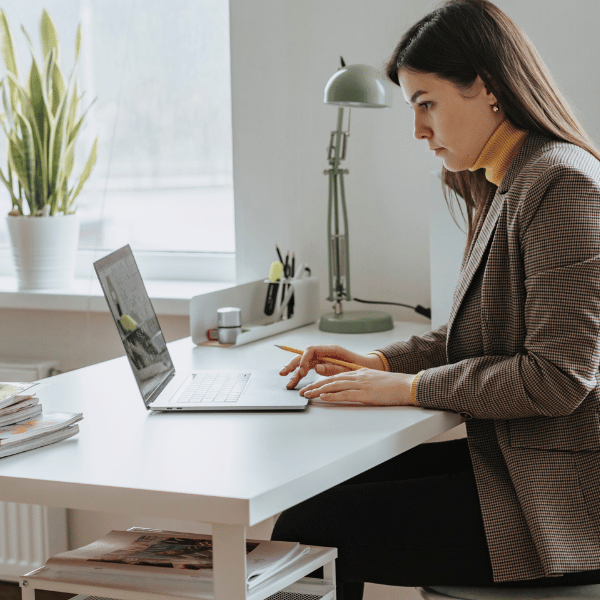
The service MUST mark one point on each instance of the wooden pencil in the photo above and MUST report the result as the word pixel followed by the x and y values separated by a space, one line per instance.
pixel 334 361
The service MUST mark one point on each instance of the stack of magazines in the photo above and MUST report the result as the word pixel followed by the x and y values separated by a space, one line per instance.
pixel 147 552
pixel 23 424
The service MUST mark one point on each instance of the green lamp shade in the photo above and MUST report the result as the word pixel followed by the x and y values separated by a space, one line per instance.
pixel 358 85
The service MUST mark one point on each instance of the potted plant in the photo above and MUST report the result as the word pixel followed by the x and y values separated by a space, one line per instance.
pixel 41 121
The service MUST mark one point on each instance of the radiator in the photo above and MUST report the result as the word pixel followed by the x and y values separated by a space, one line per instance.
pixel 29 534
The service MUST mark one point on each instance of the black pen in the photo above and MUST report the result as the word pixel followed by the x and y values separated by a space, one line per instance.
pixel 290 306
pixel 279 254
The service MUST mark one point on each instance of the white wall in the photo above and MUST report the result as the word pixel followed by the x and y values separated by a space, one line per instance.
pixel 283 52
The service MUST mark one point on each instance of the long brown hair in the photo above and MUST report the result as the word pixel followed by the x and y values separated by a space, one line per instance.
pixel 465 38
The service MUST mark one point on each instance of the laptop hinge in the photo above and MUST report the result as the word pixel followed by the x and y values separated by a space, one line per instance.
pixel 159 389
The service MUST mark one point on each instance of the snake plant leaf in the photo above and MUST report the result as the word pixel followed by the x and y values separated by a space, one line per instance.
pixel 89 165
pixel 7 50
pixel 48 69
pixel 36 94
pixel 77 43
pixel 30 162
pixel 72 113
pixel 16 162
pixel 28 38
pixel 15 201
pixel 8 104
pixel 64 173
pixel 49 36
pixel 58 138
pixel 75 130
pixel 58 88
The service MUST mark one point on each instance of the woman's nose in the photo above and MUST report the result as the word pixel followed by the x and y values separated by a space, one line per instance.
pixel 421 131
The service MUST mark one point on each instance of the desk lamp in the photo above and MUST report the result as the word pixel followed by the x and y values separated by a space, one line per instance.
pixel 362 86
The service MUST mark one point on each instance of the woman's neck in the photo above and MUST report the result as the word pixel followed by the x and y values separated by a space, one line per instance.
pixel 499 151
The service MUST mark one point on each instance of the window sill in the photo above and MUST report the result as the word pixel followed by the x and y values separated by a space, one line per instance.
pixel 168 297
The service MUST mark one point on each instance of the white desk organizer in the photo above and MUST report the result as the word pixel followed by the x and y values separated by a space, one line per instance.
pixel 250 297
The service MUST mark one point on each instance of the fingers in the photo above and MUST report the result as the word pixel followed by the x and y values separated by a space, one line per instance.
pixel 291 366
pixel 342 381
pixel 344 396
pixel 311 359
pixel 336 391
pixel 293 382
pixel 328 369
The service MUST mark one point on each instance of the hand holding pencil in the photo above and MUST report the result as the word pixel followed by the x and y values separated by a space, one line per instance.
pixel 326 360
pixel 351 377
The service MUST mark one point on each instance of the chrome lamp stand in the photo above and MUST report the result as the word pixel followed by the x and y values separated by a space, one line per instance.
pixel 338 247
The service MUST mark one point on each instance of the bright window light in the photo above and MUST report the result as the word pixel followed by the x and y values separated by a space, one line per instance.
pixel 160 73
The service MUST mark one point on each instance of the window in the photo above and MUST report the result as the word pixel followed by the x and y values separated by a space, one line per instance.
pixel 160 73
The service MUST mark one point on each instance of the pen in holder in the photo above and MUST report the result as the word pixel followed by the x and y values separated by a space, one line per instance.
pixel 285 295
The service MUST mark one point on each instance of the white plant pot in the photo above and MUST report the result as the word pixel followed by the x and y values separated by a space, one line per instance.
pixel 44 250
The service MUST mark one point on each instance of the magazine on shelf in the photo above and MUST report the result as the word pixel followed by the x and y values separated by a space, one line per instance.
pixel 20 413
pixel 47 422
pixel 11 390
pixel 39 441
pixel 172 554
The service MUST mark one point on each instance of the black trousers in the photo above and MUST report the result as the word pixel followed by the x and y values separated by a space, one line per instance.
pixel 414 520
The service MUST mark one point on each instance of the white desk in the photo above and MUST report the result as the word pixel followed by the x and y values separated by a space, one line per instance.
pixel 232 470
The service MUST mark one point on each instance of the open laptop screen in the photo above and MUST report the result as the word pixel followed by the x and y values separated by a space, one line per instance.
pixel 136 320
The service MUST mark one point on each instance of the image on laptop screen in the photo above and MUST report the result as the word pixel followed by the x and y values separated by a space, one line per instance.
pixel 136 320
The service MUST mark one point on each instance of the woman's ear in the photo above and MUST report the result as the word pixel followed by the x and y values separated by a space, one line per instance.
pixel 480 87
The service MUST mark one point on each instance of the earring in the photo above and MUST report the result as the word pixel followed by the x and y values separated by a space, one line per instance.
pixel 495 107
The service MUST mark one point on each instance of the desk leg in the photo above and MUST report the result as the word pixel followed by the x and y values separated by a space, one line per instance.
pixel 27 593
pixel 229 556
pixel 329 575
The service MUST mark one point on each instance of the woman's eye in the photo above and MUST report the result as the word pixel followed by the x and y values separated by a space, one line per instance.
pixel 425 105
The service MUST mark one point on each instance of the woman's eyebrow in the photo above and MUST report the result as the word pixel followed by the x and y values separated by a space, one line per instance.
pixel 414 97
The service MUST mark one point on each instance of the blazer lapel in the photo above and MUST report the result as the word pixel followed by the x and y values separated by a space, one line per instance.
pixel 483 234
pixel 476 252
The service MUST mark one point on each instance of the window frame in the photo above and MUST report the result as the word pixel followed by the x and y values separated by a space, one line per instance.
pixel 156 266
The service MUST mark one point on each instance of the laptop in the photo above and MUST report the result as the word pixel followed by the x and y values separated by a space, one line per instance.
pixel 163 389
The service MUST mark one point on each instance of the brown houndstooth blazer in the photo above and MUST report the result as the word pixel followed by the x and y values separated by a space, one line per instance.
pixel 523 369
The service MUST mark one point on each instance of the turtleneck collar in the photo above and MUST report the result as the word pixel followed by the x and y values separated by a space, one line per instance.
pixel 499 151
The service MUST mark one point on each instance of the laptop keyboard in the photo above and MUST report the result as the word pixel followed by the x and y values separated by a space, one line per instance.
pixel 214 387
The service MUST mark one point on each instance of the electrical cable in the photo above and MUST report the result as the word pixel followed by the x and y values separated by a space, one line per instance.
pixel 426 312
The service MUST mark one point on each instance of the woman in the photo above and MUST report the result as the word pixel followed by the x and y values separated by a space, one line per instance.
pixel 518 501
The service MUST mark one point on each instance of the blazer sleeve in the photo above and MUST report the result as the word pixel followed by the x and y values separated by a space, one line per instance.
pixel 418 353
pixel 558 230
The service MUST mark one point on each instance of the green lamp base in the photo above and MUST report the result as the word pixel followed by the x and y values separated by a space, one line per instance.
pixel 360 321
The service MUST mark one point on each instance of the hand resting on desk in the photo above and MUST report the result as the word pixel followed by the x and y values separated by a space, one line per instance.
pixel 371 385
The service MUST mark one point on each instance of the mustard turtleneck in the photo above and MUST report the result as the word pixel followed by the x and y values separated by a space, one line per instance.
pixel 499 151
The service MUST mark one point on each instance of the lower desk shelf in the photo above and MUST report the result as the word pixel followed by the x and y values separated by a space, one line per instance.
pixel 290 583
